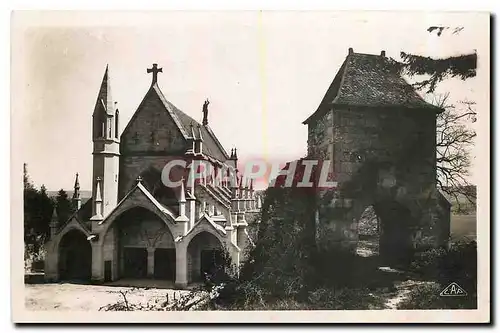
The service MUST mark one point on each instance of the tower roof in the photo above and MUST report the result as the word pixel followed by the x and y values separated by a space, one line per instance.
pixel 104 98
pixel 369 80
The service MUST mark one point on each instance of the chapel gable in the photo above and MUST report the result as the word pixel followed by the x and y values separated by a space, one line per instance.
pixel 152 129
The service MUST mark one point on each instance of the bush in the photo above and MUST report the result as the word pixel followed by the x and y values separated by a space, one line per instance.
pixel 457 264
pixel 344 299
pixel 426 297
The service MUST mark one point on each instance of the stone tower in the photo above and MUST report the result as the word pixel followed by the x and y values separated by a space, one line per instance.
pixel 106 151
pixel 380 136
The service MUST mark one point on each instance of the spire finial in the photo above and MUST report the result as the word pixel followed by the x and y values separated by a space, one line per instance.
pixel 54 214
pixel 77 183
pixel 98 197
pixel 138 179
pixel 155 70
pixel 192 131
pixel 182 197
pixel 199 133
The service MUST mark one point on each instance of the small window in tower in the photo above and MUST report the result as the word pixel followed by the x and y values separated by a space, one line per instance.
pixel 117 114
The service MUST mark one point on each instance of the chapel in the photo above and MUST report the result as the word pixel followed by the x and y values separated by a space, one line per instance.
pixel 138 225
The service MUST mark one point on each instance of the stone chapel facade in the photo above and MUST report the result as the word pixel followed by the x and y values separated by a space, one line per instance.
pixel 135 226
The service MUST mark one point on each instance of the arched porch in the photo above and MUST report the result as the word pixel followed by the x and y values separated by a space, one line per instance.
pixel 205 257
pixel 75 257
pixel 139 245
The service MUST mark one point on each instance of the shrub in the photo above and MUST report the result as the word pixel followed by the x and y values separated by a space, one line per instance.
pixel 426 297
pixel 457 264
pixel 344 299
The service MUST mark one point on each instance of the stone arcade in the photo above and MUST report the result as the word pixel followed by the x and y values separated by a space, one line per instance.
pixel 136 227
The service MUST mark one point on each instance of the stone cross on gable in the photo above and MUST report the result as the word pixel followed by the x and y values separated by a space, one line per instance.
pixel 155 70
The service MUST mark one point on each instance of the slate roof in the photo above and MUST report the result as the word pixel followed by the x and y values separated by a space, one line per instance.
pixel 211 145
pixel 368 80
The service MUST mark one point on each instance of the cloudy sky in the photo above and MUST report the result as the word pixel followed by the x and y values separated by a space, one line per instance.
pixel 264 73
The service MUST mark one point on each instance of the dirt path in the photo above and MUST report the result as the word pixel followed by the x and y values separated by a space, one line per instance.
pixel 71 297
pixel 403 290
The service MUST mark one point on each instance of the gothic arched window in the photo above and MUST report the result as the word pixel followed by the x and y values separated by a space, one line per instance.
pixel 117 114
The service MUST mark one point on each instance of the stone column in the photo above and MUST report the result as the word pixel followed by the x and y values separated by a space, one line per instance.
pixel 181 265
pixel 51 263
pixel 234 252
pixel 97 262
pixel 151 262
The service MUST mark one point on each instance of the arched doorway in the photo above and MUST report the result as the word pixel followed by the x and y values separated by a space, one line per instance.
pixel 384 230
pixel 395 238
pixel 369 230
pixel 75 257
pixel 205 256
pixel 145 246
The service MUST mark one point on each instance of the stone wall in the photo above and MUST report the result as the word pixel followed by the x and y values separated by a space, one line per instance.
pixel 151 139
pixel 377 155
pixel 151 129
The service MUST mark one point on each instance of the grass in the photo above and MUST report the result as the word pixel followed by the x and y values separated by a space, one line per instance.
pixel 463 227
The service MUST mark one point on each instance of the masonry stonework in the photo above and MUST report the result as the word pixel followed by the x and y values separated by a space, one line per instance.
pixel 380 137
pixel 138 226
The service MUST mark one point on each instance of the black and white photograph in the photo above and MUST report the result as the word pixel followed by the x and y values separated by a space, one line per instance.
pixel 263 166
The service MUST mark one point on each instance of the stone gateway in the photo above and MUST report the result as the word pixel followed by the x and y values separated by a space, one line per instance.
pixel 380 137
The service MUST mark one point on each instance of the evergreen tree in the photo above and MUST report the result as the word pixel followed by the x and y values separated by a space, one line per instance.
pixel 437 69
pixel 454 138
pixel 37 214
pixel 64 206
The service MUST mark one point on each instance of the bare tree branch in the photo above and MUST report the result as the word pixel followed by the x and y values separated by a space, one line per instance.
pixel 453 142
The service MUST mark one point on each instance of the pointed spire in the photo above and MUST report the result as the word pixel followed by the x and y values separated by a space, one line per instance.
pixel 104 97
pixel 54 219
pixel 182 208
pixel 192 131
pixel 235 155
pixel 97 202
pixel 54 222
pixel 199 133
pixel 77 183
pixel 77 200
pixel 182 197
pixel 232 153
pixel 98 197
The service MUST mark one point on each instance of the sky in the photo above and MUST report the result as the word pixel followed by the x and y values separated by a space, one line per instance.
pixel 263 72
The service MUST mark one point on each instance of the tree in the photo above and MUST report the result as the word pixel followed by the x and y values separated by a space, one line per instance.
pixel 26 178
pixel 454 139
pixel 462 66
pixel 37 214
pixel 64 206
